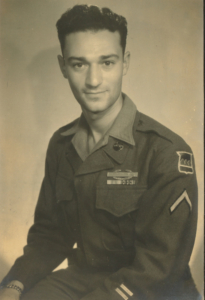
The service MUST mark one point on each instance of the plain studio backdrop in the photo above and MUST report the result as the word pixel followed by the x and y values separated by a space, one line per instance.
pixel 165 80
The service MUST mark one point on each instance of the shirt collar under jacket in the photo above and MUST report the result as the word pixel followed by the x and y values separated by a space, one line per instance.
pixel 122 129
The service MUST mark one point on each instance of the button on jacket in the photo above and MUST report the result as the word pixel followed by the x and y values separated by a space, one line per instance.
pixel 130 205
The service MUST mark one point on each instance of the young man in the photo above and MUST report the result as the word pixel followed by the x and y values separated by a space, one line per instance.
pixel 117 183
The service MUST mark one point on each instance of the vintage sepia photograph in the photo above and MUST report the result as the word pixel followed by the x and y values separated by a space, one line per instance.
pixel 101 150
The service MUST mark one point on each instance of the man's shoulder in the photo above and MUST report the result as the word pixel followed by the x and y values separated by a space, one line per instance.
pixel 63 132
pixel 153 129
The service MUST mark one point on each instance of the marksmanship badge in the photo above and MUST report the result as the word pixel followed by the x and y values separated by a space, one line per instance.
pixel 120 177
pixel 185 163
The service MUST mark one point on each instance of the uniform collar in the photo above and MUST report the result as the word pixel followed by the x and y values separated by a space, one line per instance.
pixel 122 129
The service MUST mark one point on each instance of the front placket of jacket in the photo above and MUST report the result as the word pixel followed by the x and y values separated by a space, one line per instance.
pixel 86 177
pixel 72 163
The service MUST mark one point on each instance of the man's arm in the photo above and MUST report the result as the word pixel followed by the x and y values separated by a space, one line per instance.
pixel 12 291
pixel 46 247
pixel 165 227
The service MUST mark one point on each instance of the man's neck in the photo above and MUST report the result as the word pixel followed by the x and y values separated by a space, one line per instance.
pixel 100 123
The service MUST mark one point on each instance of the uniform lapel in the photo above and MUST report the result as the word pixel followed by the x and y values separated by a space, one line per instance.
pixel 102 158
pixel 117 153
pixel 96 162
pixel 73 157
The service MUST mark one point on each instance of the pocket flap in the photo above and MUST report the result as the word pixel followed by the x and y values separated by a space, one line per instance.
pixel 64 189
pixel 118 201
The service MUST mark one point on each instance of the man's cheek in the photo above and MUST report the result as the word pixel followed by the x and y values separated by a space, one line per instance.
pixel 75 84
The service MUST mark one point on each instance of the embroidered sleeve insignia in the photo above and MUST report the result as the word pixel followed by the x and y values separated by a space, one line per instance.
pixel 184 196
pixel 185 163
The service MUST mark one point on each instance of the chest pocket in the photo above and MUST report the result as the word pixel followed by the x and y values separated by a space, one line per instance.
pixel 119 200
pixel 121 204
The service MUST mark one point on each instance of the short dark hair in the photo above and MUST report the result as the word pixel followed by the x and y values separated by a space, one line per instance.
pixel 84 18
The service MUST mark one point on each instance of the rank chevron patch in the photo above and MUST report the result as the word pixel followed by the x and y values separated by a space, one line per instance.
pixel 125 290
pixel 184 196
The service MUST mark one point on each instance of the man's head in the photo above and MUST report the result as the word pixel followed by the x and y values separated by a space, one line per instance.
pixel 93 60
pixel 84 18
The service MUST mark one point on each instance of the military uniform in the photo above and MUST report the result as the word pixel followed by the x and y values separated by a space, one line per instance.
pixel 130 205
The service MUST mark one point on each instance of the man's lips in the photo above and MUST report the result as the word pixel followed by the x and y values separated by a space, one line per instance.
pixel 94 93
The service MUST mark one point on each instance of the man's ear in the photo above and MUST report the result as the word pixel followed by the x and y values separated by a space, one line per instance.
pixel 62 65
pixel 126 62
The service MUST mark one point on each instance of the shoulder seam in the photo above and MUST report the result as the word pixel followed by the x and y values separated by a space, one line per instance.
pixel 147 124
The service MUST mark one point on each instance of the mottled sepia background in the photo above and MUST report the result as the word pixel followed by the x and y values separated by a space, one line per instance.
pixel 164 80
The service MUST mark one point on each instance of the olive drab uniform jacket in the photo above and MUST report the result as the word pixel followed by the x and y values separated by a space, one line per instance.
pixel 130 205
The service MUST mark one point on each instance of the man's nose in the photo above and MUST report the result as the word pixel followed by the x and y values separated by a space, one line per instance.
pixel 93 76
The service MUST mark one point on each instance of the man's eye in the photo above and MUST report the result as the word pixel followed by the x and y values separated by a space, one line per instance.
pixel 108 63
pixel 78 65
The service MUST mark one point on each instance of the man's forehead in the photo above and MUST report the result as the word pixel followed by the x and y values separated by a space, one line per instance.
pixel 94 32
pixel 90 42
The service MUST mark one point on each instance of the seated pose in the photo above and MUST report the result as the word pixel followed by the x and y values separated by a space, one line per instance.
pixel 119 196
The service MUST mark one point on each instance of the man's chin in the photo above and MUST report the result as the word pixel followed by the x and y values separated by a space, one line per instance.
pixel 95 109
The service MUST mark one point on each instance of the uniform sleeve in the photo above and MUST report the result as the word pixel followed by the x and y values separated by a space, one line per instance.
pixel 45 248
pixel 165 228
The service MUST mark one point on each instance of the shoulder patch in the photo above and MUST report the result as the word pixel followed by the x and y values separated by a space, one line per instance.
pixel 185 162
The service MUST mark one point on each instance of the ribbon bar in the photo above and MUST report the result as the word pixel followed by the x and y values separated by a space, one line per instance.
pixel 122 174
pixel 123 181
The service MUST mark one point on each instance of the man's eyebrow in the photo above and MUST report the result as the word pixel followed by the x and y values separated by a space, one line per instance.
pixel 109 56
pixel 76 58
pixel 82 58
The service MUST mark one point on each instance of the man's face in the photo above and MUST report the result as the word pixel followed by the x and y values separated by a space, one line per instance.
pixel 94 65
